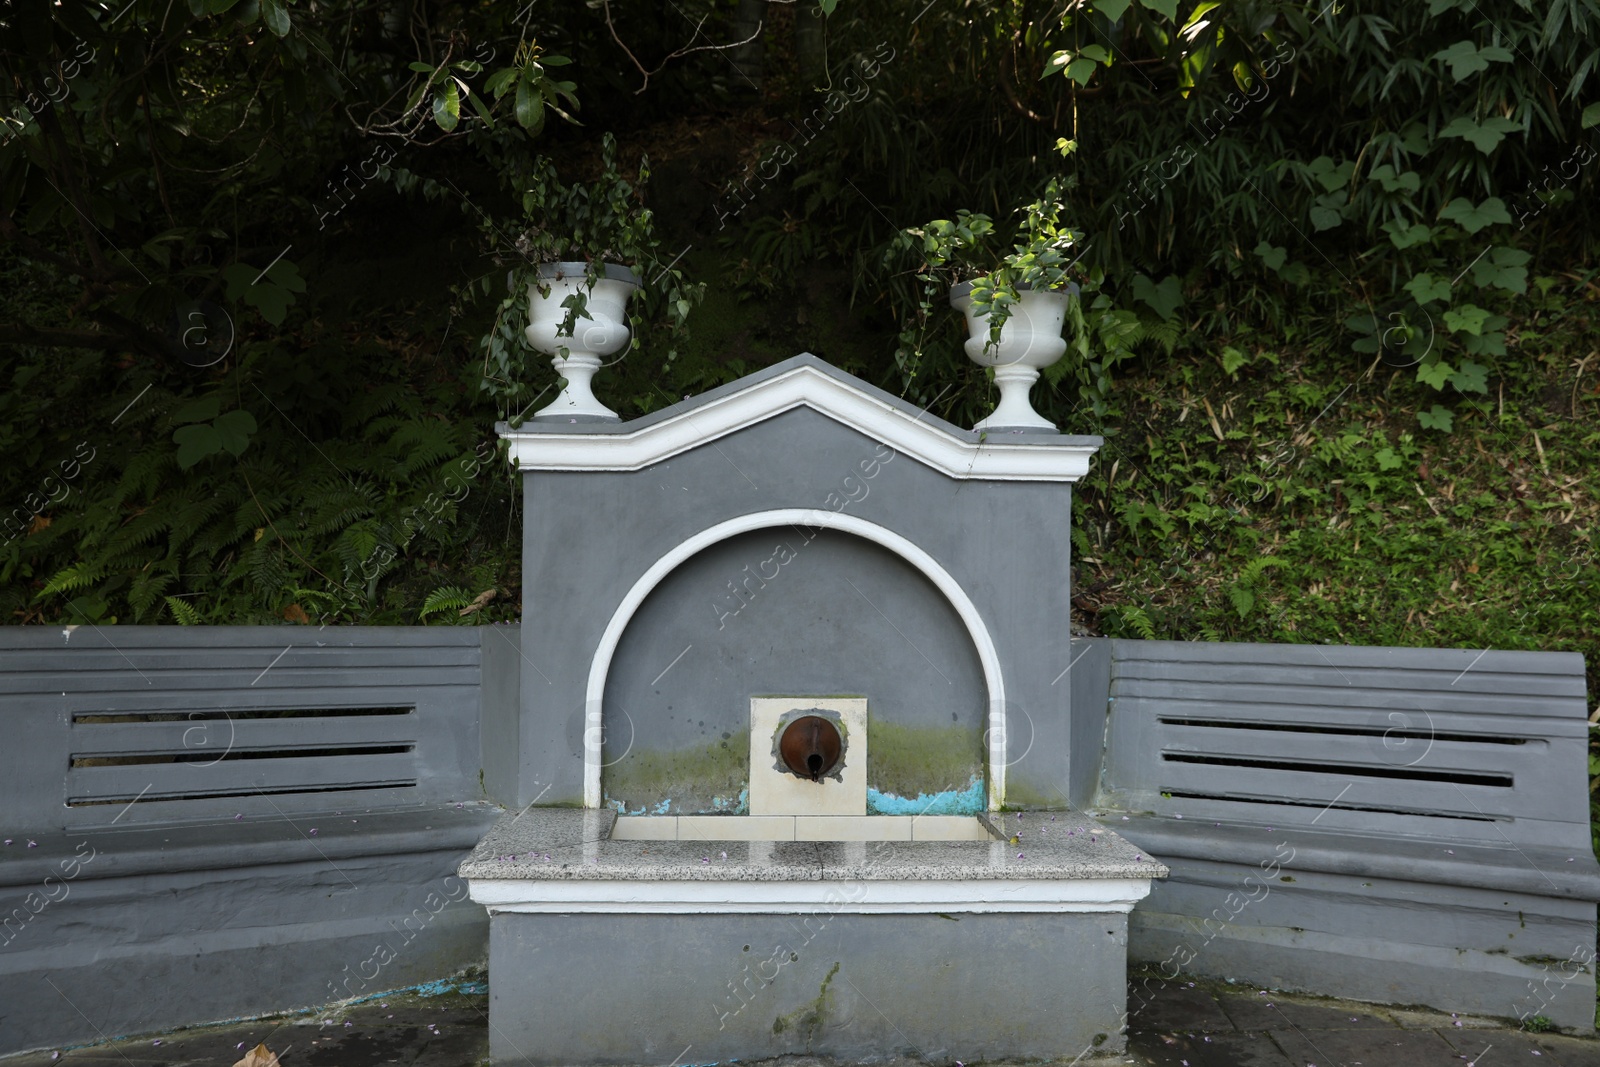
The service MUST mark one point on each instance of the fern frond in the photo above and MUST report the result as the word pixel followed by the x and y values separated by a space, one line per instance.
pixel 266 568
pixel 141 478
pixel 1165 334
pixel 1138 621
pixel 1253 569
pixel 182 613
pixel 335 503
pixel 80 575
pixel 386 397
pixel 145 591
pixel 444 599
pixel 423 444
pixel 366 548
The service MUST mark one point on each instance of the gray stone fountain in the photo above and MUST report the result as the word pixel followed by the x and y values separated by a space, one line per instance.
pixel 793 661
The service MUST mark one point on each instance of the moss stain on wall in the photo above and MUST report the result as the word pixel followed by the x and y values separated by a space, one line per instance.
pixel 911 761
pixel 809 1021
pixel 710 779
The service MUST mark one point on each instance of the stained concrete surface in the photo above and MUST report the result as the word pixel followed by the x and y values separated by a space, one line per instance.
pixel 406 1029
pixel 1185 1023
pixel 1176 1024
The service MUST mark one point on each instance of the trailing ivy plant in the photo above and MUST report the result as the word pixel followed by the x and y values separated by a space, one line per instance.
pixel 1045 255
pixel 598 222
pixel 1451 268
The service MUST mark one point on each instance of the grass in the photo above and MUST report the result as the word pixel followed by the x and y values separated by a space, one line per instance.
pixel 1297 500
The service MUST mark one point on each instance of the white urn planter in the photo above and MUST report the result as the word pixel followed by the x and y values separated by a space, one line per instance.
pixel 1030 340
pixel 578 355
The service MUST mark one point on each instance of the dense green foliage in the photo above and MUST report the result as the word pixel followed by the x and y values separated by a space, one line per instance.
pixel 1339 330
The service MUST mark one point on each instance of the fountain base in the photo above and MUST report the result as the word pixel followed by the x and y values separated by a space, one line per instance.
pixel 608 951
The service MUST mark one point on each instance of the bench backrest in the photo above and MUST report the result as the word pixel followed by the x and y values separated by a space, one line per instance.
pixel 1457 743
pixel 130 724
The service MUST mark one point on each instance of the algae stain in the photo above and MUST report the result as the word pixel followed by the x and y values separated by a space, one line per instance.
pixel 809 1020
pixel 698 780
pixel 909 761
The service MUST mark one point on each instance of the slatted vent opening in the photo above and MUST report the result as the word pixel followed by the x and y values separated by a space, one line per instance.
pixel 1346 731
pixel 1286 802
pixel 1254 753
pixel 1355 770
pixel 166 756
pixel 245 715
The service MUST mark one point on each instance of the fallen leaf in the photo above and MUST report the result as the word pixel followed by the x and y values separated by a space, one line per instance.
pixel 40 522
pixel 479 601
pixel 295 613
pixel 260 1056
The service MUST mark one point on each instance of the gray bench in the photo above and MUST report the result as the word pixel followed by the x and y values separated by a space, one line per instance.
pixel 233 820
pixel 1386 824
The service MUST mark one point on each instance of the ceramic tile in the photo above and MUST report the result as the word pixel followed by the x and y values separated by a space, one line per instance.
pixel 948 828
pixel 735 828
pixel 645 828
pixel 852 828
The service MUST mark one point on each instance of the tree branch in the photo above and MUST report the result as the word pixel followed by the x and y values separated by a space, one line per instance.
pixel 685 50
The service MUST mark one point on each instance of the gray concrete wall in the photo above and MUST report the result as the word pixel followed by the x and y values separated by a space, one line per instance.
pixel 590 536
pixel 1422 741
pixel 115 932
pixel 501 699
pixel 1386 940
pixel 790 611
pixel 1089 675
pixel 1398 825
pixel 211 822
pixel 186 914
pixel 614 989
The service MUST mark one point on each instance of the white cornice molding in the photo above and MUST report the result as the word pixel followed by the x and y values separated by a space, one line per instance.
pixel 908 896
pixel 993 458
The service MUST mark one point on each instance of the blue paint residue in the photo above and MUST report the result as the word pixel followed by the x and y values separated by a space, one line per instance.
pixel 622 809
pixel 968 801
pixel 740 806
pixel 446 985
pixel 435 988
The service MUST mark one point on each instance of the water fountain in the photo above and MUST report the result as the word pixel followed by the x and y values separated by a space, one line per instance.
pixel 795 765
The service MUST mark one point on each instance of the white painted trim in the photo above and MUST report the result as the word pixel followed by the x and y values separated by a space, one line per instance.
pixel 907 550
pixel 994 458
pixel 902 896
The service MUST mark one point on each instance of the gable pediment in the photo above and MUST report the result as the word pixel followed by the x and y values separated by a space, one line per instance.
pixel 804 381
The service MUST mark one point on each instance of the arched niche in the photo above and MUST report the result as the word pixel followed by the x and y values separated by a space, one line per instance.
pixel 790 601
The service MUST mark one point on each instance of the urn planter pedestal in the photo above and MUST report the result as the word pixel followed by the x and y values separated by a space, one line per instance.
pixel 1030 341
pixel 602 332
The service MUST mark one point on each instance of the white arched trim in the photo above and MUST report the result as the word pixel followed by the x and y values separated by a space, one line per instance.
pixel 600 666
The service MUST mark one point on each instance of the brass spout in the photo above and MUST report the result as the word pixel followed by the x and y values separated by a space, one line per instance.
pixel 810 747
